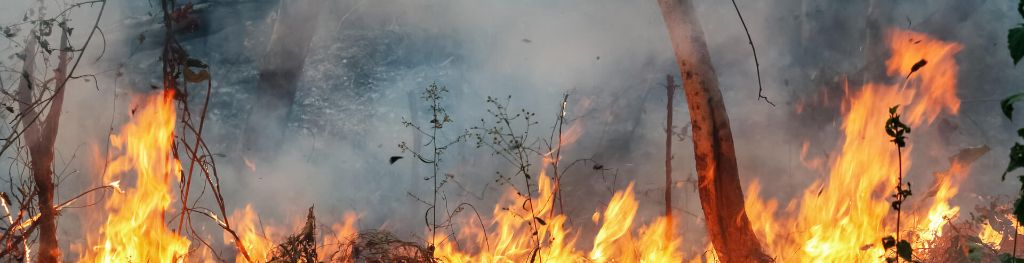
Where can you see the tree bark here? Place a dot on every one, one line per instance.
(721, 195)
(41, 136)
(280, 72)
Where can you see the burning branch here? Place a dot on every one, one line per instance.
(178, 68)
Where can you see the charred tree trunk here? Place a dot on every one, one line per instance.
(721, 195)
(670, 87)
(280, 72)
(41, 135)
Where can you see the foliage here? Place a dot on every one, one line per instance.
(509, 138)
(1007, 258)
(433, 131)
(1016, 153)
(1015, 38)
(898, 130)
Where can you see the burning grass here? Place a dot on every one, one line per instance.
(843, 215)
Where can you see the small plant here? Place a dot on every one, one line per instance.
(513, 143)
(1016, 161)
(1015, 37)
(433, 131)
(1015, 43)
(898, 130)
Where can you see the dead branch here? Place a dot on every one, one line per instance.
(757, 65)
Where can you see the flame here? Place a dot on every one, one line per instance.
(135, 230)
(249, 164)
(840, 218)
(846, 214)
(254, 238)
(511, 238)
(261, 240)
(816, 164)
(990, 236)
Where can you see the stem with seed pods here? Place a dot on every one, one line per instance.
(439, 118)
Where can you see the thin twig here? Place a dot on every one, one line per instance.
(757, 65)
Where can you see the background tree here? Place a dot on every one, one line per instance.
(279, 73)
(36, 93)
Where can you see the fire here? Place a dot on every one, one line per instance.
(135, 230)
(990, 236)
(843, 218)
(259, 240)
(254, 238)
(510, 238)
(840, 218)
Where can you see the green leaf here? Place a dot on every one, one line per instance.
(1015, 41)
(888, 242)
(975, 252)
(1018, 209)
(1007, 104)
(892, 110)
(904, 251)
(1020, 8)
(1016, 159)
(1020, 132)
(1007, 258)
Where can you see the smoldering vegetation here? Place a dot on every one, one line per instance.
(369, 62)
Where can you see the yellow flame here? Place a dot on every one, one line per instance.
(135, 230)
(843, 218)
(990, 236)
(510, 238)
(255, 239)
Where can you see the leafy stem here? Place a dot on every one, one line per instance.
(898, 131)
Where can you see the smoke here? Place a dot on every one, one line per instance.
(370, 60)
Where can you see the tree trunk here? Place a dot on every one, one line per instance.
(41, 135)
(721, 195)
(280, 72)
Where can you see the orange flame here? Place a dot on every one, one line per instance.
(990, 236)
(844, 215)
(848, 213)
(259, 240)
(254, 238)
(512, 239)
(135, 230)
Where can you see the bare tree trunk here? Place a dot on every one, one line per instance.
(670, 87)
(721, 195)
(41, 135)
(280, 72)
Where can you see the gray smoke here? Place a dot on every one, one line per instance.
(369, 61)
